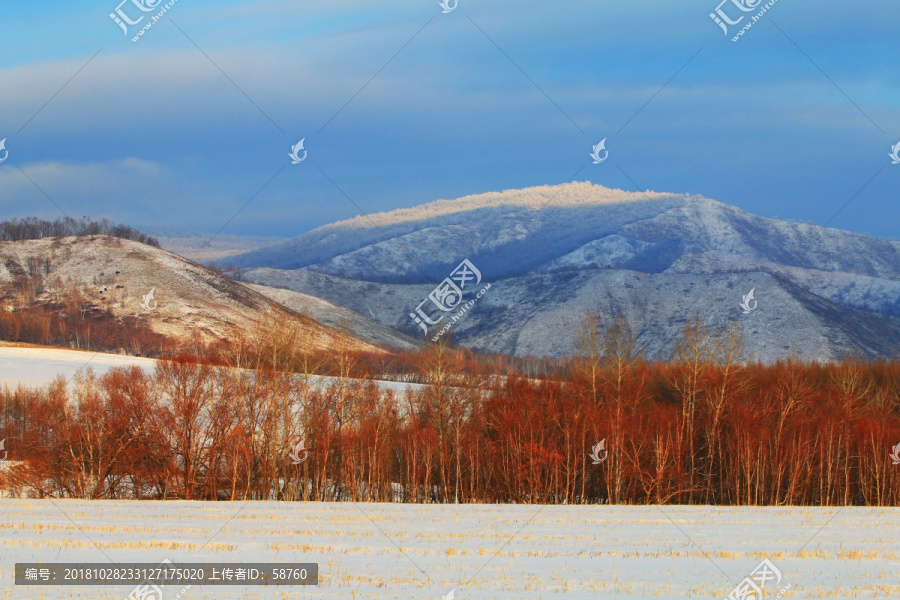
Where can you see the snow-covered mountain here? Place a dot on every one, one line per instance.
(553, 252)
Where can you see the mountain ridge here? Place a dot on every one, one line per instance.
(686, 254)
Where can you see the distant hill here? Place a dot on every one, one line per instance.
(554, 252)
(204, 248)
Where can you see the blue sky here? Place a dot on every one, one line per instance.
(791, 121)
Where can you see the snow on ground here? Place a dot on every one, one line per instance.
(507, 552)
(37, 367)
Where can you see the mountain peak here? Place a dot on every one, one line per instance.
(563, 195)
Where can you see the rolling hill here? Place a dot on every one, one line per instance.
(115, 275)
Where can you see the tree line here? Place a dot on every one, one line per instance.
(705, 428)
(32, 228)
(70, 319)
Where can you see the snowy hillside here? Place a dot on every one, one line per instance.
(495, 230)
(659, 259)
(103, 273)
(331, 314)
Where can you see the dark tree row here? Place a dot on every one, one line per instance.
(32, 228)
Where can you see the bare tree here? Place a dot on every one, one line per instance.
(728, 351)
(621, 355)
(189, 391)
(590, 347)
(693, 354)
(439, 364)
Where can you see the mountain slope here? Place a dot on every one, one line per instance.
(331, 314)
(554, 252)
(106, 273)
(494, 230)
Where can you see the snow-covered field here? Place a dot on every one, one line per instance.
(505, 552)
(37, 367)
(34, 367)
